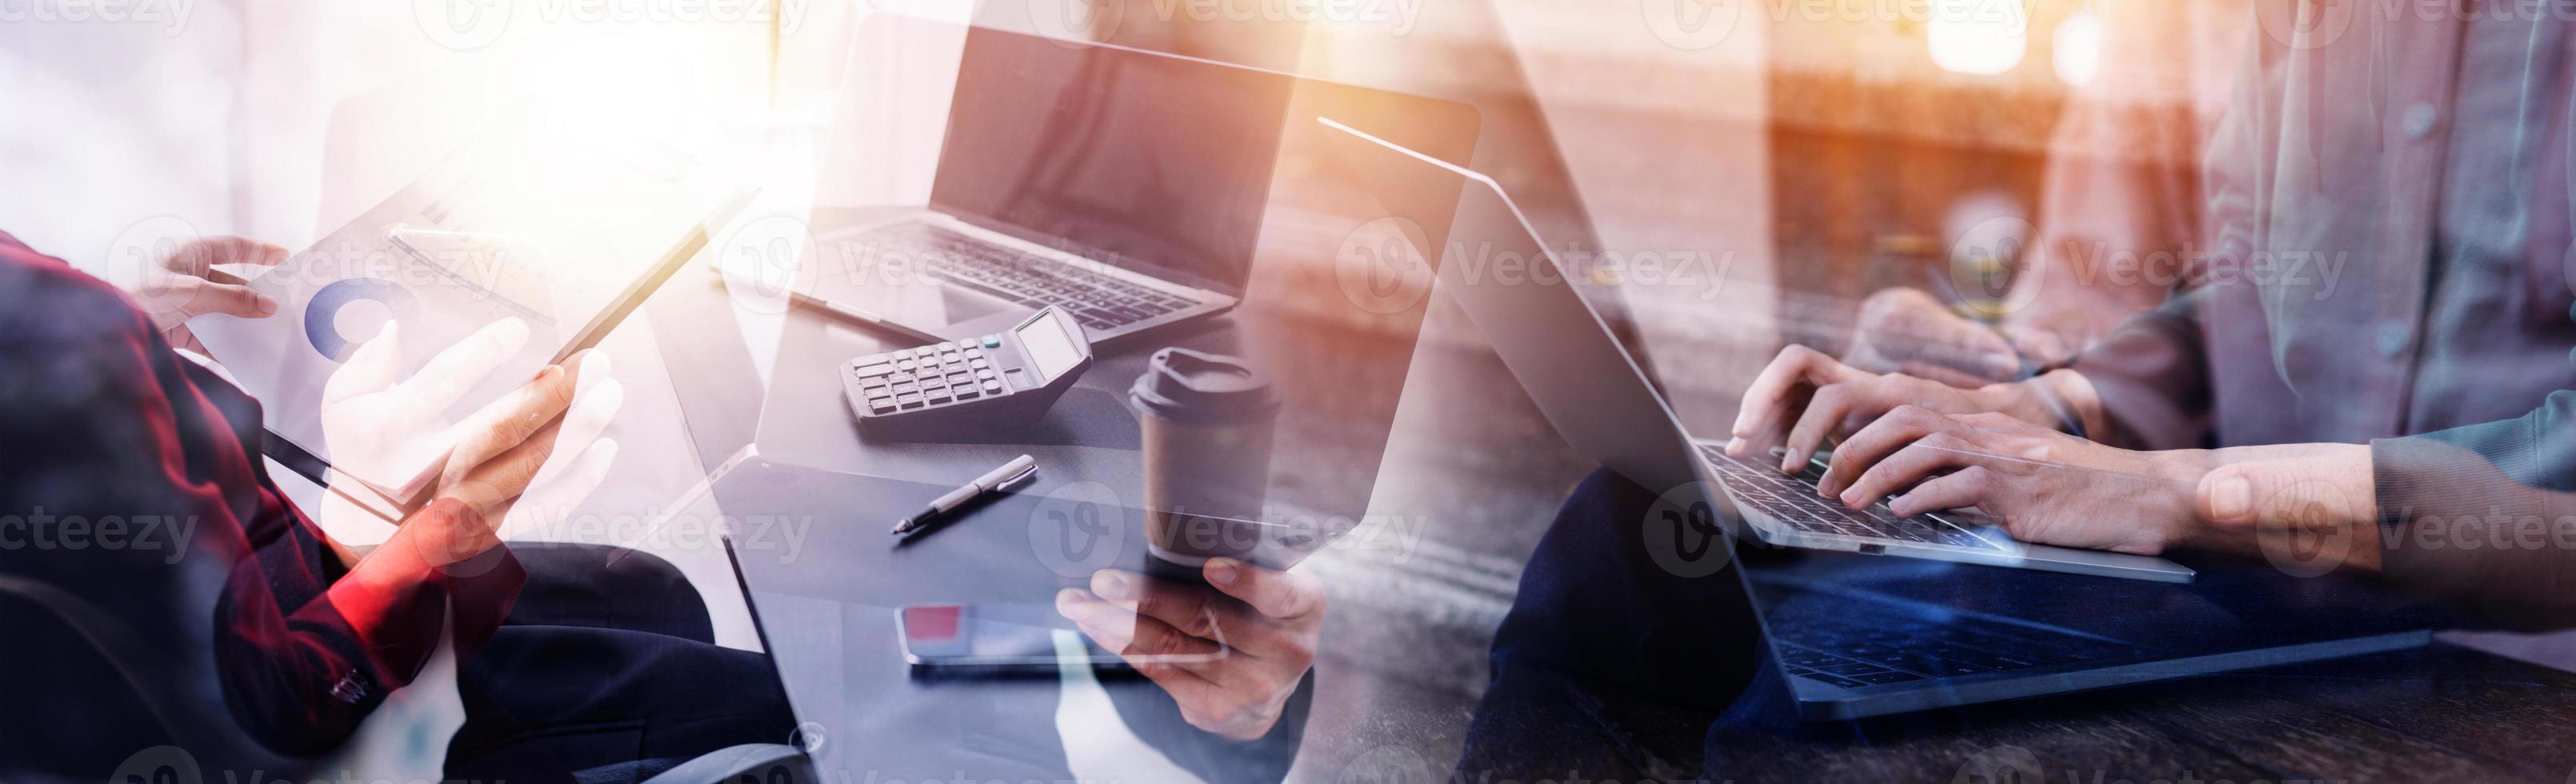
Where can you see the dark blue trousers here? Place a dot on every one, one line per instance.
(607, 670)
(1613, 667)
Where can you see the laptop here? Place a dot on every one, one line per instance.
(1600, 401)
(1124, 186)
(1852, 633)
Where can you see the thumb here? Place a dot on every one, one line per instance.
(370, 369)
(2275, 493)
(1272, 593)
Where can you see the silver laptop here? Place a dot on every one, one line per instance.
(1601, 402)
(1126, 187)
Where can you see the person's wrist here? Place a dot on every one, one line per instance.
(2179, 473)
(444, 533)
(2241, 494)
(2016, 399)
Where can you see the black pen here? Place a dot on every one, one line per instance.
(1010, 473)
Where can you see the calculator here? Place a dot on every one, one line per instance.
(1009, 378)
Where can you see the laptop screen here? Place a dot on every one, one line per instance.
(1118, 155)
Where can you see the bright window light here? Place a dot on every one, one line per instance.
(1982, 37)
(2079, 49)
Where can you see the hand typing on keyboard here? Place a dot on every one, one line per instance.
(1805, 397)
(1794, 502)
(2041, 485)
(1924, 447)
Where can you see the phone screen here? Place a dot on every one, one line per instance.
(1004, 636)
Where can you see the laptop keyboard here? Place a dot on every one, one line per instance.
(1874, 647)
(1793, 502)
(1099, 302)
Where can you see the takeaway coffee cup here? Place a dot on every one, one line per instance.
(1207, 423)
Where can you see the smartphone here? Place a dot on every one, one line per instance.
(1003, 638)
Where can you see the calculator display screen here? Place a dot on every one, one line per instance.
(1048, 346)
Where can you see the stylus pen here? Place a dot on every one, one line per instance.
(1012, 472)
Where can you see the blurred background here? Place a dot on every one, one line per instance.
(1727, 176)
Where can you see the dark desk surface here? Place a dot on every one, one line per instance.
(1397, 679)
(2441, 713)
(828, 611)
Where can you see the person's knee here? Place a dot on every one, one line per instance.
(1603, 497)
(1607, 598)
(623, 587)
(1587, 550)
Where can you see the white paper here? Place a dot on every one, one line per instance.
(544, 230)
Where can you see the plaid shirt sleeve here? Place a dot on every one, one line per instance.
(102, 418)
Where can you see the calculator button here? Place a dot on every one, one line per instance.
(951, 358)
(872, 371)
(906, 364)
(903, 354)
(986, 374)
(979, 364)
(936, 396)
(992, 386)
(975, 353)
(906, 388)
(910, 401)
(992, 341)
(881, 405)
(967, 392)
(899, 378)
